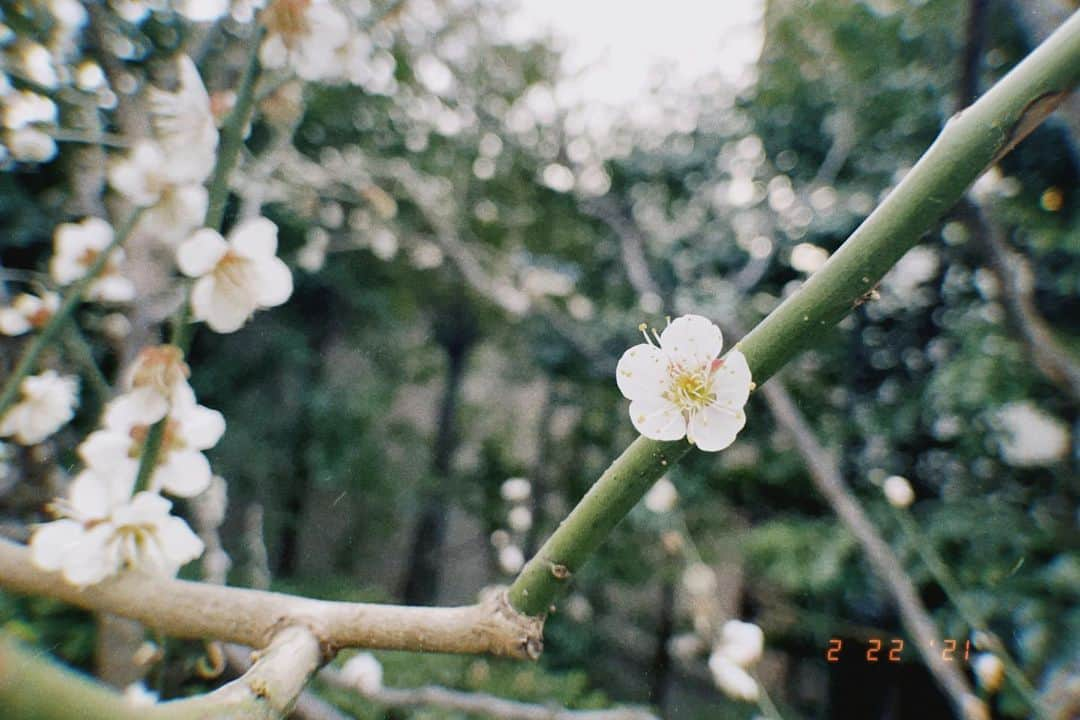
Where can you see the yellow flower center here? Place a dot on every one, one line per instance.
(690, 389)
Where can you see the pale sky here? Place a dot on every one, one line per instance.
(614, 44)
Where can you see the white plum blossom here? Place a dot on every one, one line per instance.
(181, 467)
(898, 491)
(184, 124)
(149, 178)
(699, 580)
(741, 642)
(36, 62)
(159, 372)
(103, 529)
(363, 672)
(515, 490)
(235, 276)
(511, 559)
(661, 497)
(47, 403)
(77, 247)
(307, 35)
(678, 386)
(733, 680)
(741, 645)
(1030, 437)
(989, 671)
(520, 519)
(24, 114)
(28, 312)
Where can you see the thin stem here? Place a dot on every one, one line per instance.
(97, 138)
(232, 140)
(28, 360)
(80, 349)
(765, 704)
(970, 141)
(971, 615)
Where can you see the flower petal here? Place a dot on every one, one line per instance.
(186, 473)
(223, 311)
(90, 561)
(642, 372)
(713, 428)
(657, 419)
(141, 406)
(52, 542)
(178, 542)
(200, 253)
(731, 381)
(201, 426)
(275, 283)
(255, 238)
(691, 341)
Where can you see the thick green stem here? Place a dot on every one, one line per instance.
(71, 300)
(609, 500)
(972, 140)
(33, 687)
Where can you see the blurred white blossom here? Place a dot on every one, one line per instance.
(1029, 436)
(516, 490)
(741, 642)
(678, 386)
(159, 371)
(898, 491)
(148, 178)
(104, 529)
(201, 10)
(364, 672)
(235, 276)
(511, 559)
(47, 402)
(28, 312)
(77, 247)
(184, 124)
(699, 580)
(989, 671)
(733, 680)
(306, 35)
(520, 519)
(662, 496)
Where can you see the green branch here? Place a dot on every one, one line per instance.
(232, 140)
(28, 360)
(970, 142)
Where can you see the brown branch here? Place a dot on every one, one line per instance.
(1014, 275)
(830, 483)
(252, 617)
(477, 703)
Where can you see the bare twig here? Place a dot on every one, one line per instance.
(1014, 275)
(477, 703)
(252, 617)
(829, 482)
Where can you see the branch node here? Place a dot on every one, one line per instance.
(510, 632)
(560, 571)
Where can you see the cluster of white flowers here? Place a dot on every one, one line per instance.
(77, 247)
(740, 646)
(166, 175)
(106, 523)
(678, 385)
(47, 403)
(310, 36)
